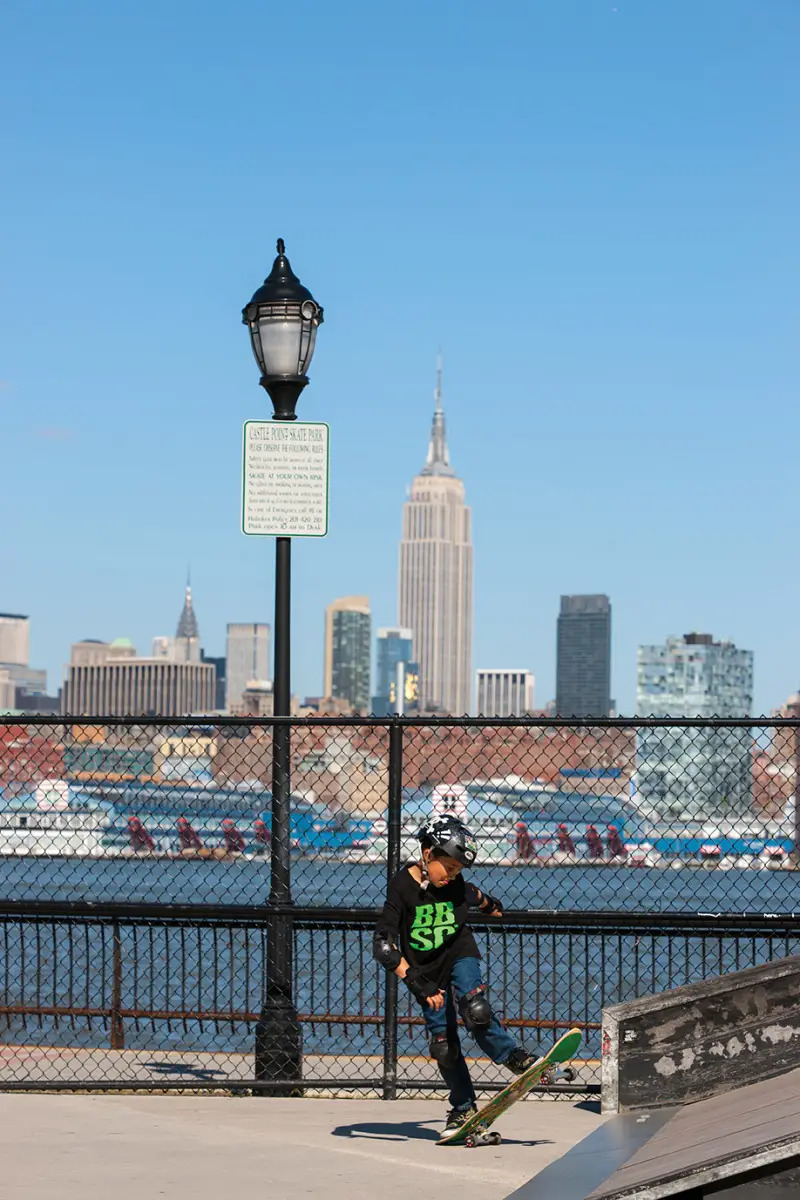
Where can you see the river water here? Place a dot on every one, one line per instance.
(320, 881)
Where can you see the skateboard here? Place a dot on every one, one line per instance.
(476, 1132)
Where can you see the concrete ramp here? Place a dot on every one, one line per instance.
(703, 1039)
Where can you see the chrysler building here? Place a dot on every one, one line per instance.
(435, 585)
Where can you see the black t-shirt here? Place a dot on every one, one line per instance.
(429, 924)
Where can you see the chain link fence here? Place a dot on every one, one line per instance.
(135, 858)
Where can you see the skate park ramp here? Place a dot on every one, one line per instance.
(744, 1145)
(705, 1082)
(702, 1039)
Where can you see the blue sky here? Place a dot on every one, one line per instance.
(590, 205)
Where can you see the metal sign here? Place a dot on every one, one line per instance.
(285, 479)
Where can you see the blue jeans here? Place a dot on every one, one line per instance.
(494, 1040)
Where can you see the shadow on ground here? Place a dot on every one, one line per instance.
(404, 1131)
(171, 1068)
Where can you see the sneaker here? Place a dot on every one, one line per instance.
(457, 1116)
(519, 1060)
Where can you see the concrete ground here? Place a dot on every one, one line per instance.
(105, 1147)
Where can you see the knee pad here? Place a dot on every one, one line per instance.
(444, 1052)
(475, 1009)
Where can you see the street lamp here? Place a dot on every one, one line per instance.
(283, 318)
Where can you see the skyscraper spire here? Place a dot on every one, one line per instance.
(187, 624)
(438, 460)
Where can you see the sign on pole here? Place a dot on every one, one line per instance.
(285, 479)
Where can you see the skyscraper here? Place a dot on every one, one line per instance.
(348, 631)
(246, 660)
(702, 772)
(27, 681)
(435, 579)
(397, 674)
(187, 635)
(14, 639)
(583, 657)
(504, 693)
(219, 664)
(185, 646)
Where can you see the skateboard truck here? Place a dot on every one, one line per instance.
(558, 1075)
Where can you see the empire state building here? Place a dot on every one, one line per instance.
(435, 585)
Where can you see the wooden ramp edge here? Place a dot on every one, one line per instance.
(702, 1039)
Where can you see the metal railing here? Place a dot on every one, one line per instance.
(131, 997)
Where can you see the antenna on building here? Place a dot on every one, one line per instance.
(438, 460)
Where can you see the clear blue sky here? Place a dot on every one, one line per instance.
(591, 205)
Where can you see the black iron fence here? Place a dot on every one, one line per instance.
(135, 867)
(136, 997)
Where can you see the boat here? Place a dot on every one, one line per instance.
(54, 819)
(710, 854)
(774, 858)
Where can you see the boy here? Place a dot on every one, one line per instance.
(422, 935)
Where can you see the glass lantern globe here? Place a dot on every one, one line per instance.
(283, 318)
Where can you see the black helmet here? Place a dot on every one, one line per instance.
(451, 836)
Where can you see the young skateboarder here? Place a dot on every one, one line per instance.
(423, 936)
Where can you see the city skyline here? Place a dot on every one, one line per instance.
(582, 646)
(185, 648)
(637, 219)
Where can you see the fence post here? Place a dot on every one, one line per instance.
(392, 867)
(117, 1032)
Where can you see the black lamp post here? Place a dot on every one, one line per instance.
(283, 318)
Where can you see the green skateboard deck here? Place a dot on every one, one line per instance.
(475, 1131)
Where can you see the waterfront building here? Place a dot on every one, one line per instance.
(108, 679)
(346, 672)
(436, 576)
(504, 693)
(246, 659)
(703, 772)
(583, 657)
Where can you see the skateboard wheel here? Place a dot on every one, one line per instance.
(570, 1074)
(494, 1139)
(469, 1141)
(546, 1078)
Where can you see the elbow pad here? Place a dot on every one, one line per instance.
(384, 952)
